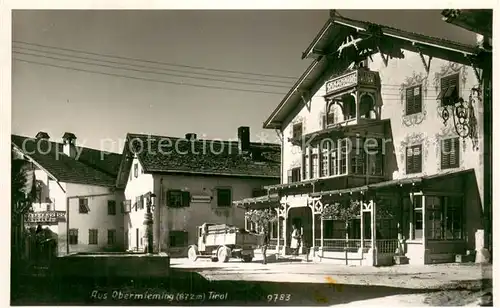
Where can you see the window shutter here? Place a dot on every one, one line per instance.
(186, 198)
(409, 160)
(444, 153)
(289, 176)
(409, 101)
(454, 152)
(417, 99)
(417, 159)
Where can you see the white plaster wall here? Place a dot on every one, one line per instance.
(135, 188)
(96, 218)
(189, 218)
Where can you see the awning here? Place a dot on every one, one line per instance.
(262, 202)
(397, 182)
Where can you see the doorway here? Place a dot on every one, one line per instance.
(302, 218)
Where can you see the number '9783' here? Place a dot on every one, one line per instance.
(278, 297)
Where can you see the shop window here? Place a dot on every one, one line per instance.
(435, 214)
(418, 219)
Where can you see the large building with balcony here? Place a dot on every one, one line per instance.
(383, 152)
(75, 194)
(194, 181)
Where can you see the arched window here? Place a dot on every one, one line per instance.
(367, 107)
(349, 104)
(334, 114)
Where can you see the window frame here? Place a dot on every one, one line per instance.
(112, 236)
(412, 106)
(112, 205)
(83, 206)
(219, 190)
(73, 236)
(297, 130)
(420, 210)
(410, 164)
(454, 144)
(294, 175)
(449, 89)
(184, 198)
(93, 235)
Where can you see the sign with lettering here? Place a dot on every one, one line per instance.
(342, 82)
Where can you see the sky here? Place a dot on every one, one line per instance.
(88, 96)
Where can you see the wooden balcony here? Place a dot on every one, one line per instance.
(46, 217)
(360, 77)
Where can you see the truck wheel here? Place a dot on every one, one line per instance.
(247, 259)
(223, 254)
(193, 253)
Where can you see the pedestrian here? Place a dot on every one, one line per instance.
(264, 243)
(295, 241)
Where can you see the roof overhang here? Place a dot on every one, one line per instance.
(479, 20)
(343, 41)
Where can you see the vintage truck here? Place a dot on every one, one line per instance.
(220, 242)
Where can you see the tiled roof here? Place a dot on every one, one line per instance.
(93, 167)
(210, 157)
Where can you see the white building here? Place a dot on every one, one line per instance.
(195, 181)
(76, 194)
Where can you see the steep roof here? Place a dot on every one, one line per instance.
(92, 167)
(331, 56)
(163, 154)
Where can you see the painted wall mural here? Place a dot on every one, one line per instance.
(411, 140)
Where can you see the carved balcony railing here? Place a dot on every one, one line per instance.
(46, 217)
(357, 78)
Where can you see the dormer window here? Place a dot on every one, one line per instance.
(297, 130)
(449, 90)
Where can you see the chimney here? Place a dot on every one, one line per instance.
(244, 138)
(42, 140)
(69, 144)
(191, 136)
(42, 135)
